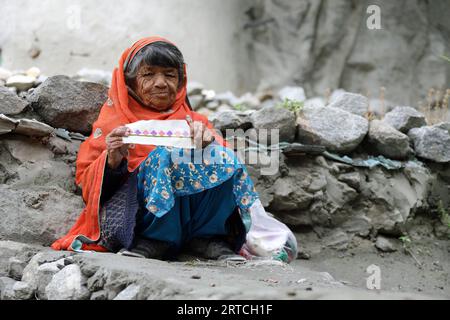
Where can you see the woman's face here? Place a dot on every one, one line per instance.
(156, 86)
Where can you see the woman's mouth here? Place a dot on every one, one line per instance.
(160, 94)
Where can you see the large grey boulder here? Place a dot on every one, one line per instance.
(405, 118)
(336, 129)
(232, 120)
(388, 141)
(65, 103)
(432, 142)
(68, 284)
(275, 118)
(351, 102)
(10, 103)
(37, 215)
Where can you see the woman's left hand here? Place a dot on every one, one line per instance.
(201, 135)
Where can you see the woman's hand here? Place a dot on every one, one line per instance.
(117, 150)
(201, 135)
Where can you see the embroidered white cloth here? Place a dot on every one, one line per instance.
(170, 133)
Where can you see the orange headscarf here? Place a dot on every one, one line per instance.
(118, 110)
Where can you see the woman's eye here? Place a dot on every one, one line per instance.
(170, 75)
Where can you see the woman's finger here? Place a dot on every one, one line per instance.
(116, 145)
(198, 134)
(110, 140)
(191, 125)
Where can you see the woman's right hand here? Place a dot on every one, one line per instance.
(116, 149)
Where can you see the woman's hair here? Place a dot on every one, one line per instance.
(160, 54)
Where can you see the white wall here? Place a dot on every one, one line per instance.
(208, 32)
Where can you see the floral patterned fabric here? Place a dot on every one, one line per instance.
(170, 172)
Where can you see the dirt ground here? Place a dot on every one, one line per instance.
(426, 271)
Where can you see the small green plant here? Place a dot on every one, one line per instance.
(406, 241)
(240, 107)
(292, 105)
(445, 58)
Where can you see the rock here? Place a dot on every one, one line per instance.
(275, 118)
(385, 244)
(353, 179)
(315, 102)
(25, 150)
(432, 142)
(68, 284)
(16, 267)
(61, 146)
(12, 253)
(21, 82)
(33, 72)
(228, 98)
(69, 104)
(292, 93)
(7, 124)
(40, 270)
(94, 75)
(232, 120)
(14, 290)
(224, 107)
(6, 288)
(337, 239)
(10, 103)
(212, 105)
(33, 128)
(388, 141)
(5, 74)
(359, 225)
(100, 295)
(22, 291)
(289, 195)
(37, 214)
(351, 102)
(194, 88)
(405, 118)
(389, 198)
(197, 102)
(129, 293)
(206, 112)
(248, 101)
(336, 129)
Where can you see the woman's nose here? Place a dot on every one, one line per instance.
(160, 81)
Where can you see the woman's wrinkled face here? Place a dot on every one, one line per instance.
(157, 86)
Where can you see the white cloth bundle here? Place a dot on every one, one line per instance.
(170, 133)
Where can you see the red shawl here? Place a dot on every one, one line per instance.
(118, 110)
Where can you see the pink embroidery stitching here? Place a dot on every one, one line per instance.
(161, 133)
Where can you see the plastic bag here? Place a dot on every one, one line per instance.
(268, 238)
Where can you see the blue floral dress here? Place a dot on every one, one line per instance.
(176, 184)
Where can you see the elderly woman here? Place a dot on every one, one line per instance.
(138, 201)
